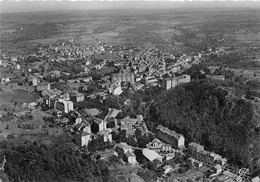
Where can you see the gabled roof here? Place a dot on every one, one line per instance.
(124, 145)
(130, 154)
(97, 120)
(169, 132)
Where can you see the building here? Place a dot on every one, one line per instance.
(115, 88)
(194, 148)
(82, 138)
(156, 144)
(197, 163)
(151, 155)
(5, 80)
(123, 77)
(77, 97)
(140, 119)
(107, 136)
(198, 152)
(170, 137)
(65, 96)
(83, 127)
(43, 86)
(167, 148)
(175, 81)
(131, 158)
(63, 105)
(98, 125)
(167, 169)
(125, 147)
(216, 77)
(256, 179)
(34, 81)
(87, 79)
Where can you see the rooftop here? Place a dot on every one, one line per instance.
(169, 132)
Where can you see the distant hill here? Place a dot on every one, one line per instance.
(206, 113)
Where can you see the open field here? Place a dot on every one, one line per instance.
(166, 29)
(11, 98)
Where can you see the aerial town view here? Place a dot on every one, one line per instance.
(130, 91)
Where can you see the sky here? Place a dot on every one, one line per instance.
(35, 6)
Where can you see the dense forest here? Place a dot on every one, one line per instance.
(54, 160)
(206, 112)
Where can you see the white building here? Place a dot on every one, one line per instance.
(151, 155)
(175, 81)
(131, 158)
(34, 81)
(256, 179)
(64, 105)
(156, 144)
(125, 147)
(82, 138)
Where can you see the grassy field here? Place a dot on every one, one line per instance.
(11, 98)
(136, 27)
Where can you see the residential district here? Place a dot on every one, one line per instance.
(120, 68)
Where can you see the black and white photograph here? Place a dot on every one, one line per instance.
(130, 91)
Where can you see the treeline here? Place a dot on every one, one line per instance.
(232, 60)
(204, 112)
(53, 161)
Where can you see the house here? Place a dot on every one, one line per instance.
(107, 136)
(167, 148)
(197, 163)
(198, 152)
(170, 137)
(151, 155)
(63, 105)
(217, 169)
(125, 147)
(131, 158)
(32, 104)
(5, 80)
(152, 81)
(156, 144)
(83, 88)
(175, 81)
(77, 97)
(87, 79)
(140, 119)
(65, 96)
(117, 91)
(107, 154)
(82, 138)
(256, 179)
(169, 156)
(83, 126)
(216, 77)
(34, 81)
(167, 169)
(63, 120)
(55, 73)
(43, 86)
(123, 77)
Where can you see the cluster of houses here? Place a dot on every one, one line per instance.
(137, 69)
